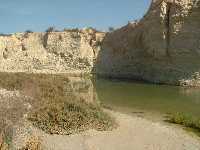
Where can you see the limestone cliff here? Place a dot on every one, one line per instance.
(70, 51)
(164, 47)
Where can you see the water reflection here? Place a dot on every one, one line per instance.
(82, 88)
(191, 94)
(147, 97)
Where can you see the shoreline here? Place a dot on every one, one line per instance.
(132, 133)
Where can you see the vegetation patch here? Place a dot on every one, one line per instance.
(56, 108)
(33, 143)
(186, 120)
(70, 117)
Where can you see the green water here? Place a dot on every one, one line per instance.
(135, 96)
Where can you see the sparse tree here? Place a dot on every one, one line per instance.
(28, 31)
(51, 29)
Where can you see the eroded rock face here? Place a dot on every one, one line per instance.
(164, 47)
(71, 51)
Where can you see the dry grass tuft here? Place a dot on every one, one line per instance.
(34, 143)
(68, 117)
(185, 120)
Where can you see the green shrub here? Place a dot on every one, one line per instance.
(28, 31)
(111, 29)
(50, 29)
(185, 120)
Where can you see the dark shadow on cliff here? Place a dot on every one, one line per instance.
(110, 62)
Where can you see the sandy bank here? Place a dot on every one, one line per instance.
(133, 133)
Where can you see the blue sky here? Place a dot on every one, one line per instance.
(38, 15)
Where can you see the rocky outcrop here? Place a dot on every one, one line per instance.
(164, 47)
(70, 51)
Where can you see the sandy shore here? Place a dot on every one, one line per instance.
(133, 133)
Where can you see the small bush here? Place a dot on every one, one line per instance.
(28, 31)
(5, 53)
(33, 143)
(46, 35)
(23, 47)
(111, 29)
(60, 38)
(51, 29)
(71, 117)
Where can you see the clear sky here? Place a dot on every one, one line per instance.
(38, 15)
